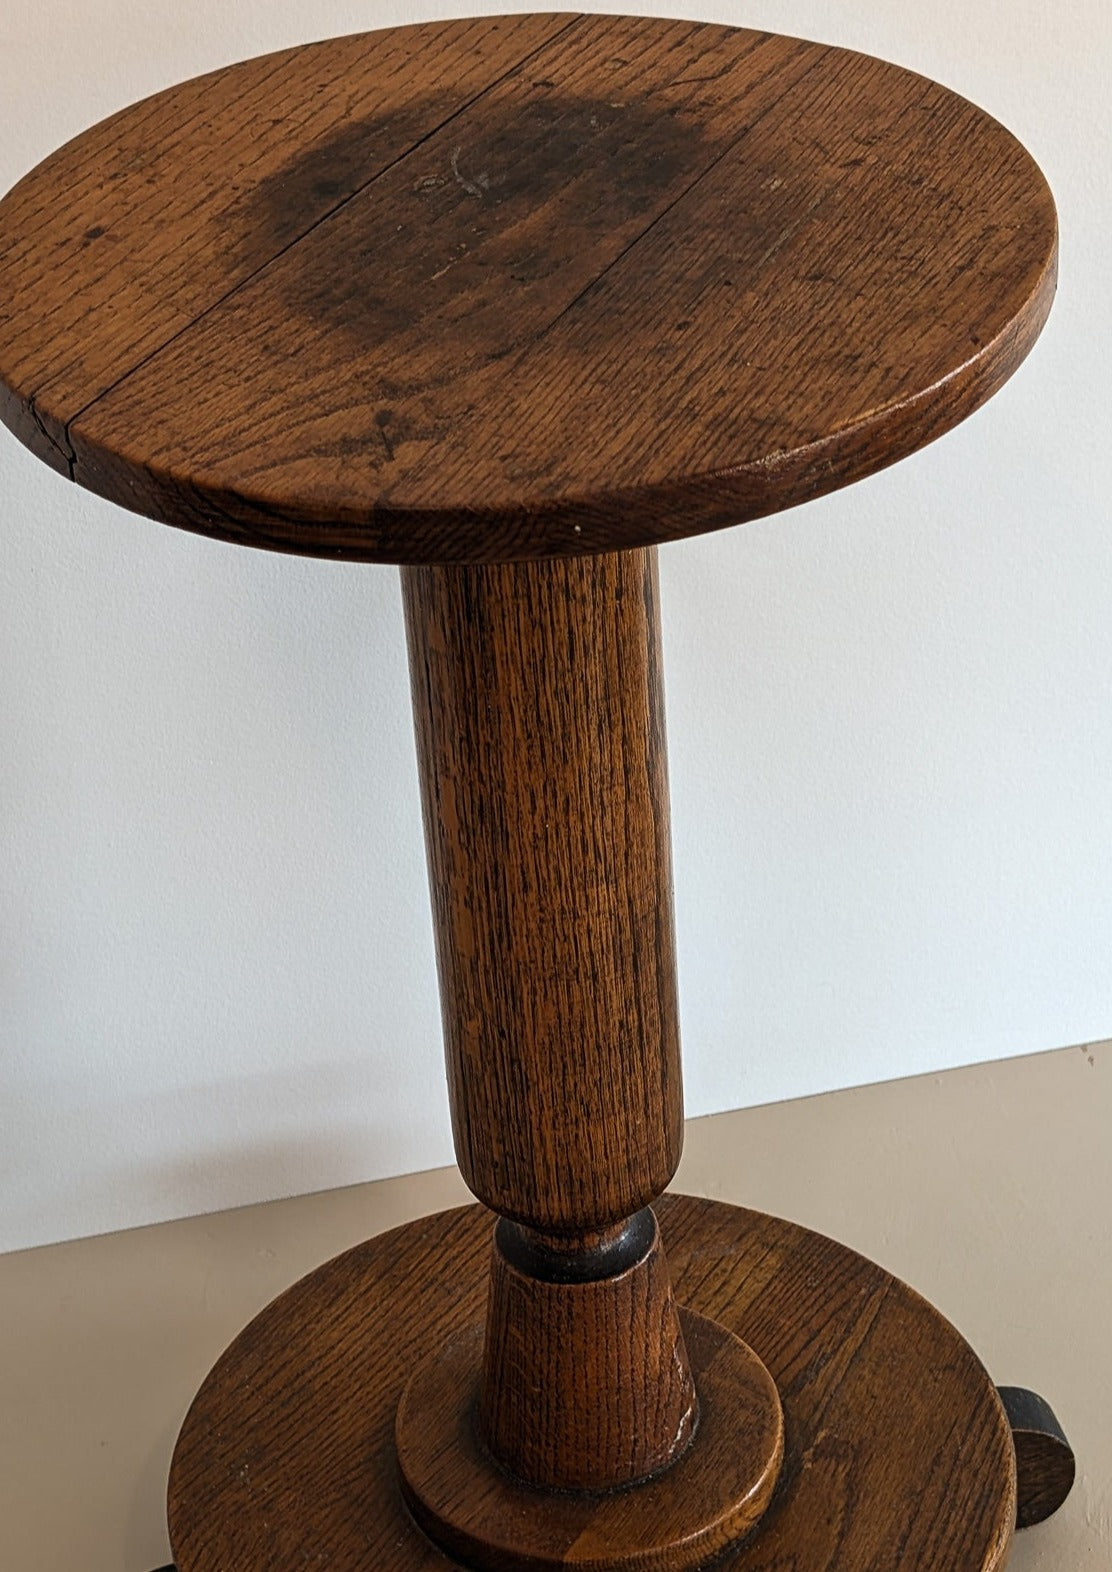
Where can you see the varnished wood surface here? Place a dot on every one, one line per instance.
(585, 1385)
(531, 286)
(539, 715)
(710, 1497)
(539, 712)
(1045, 1465)
(133, 231)
(898, 1452)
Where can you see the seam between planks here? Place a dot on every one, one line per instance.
(67, 450)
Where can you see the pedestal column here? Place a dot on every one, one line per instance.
(540, 726)
(540, 729)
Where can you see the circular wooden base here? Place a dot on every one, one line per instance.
(709, 1498)
(897, 1449)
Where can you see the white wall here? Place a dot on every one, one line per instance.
(890, 716)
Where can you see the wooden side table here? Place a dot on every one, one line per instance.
(510, 302)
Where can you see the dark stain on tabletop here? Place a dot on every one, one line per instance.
(474, 241)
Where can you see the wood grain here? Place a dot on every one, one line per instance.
(675, 1521)
(527, 287)
(898, 1452)
(585, 1383)
(538, 704)
(129, 234)
(540, 738)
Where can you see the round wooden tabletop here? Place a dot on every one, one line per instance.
(518, 287)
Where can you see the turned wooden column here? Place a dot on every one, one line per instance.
(540, 727)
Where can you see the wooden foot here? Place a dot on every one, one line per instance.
(1045, 1464)
(287, 1458)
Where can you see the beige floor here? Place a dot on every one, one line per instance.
(990, 1189)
